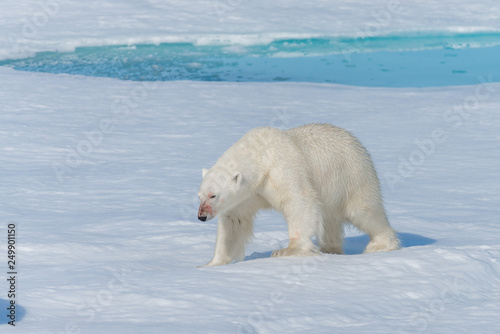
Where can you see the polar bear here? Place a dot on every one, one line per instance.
(318, 176)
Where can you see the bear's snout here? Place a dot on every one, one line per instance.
(205, 212)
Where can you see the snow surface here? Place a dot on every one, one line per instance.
(128, 210)
(101, 175)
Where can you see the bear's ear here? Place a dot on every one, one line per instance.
(204, 172)
(237, 178)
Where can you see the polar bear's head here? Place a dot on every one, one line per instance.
(219, 192)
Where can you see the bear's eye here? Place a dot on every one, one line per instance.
(212, 196)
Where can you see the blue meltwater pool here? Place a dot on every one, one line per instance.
(412, 60)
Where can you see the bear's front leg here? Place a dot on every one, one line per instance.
(233, 232)
(302, 227)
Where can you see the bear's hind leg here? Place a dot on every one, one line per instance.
(373, 221)
(233, 232)
(332, 237)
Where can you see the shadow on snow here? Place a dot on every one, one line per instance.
(356, 245)
(4, 305)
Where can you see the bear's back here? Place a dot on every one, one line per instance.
(336, 158)
(319, 139)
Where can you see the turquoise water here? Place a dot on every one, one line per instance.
(385, 61)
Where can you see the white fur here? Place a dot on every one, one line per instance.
(319, 176)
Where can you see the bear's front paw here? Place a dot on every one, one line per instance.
(294, 251)
(216, 262)
(280, 252)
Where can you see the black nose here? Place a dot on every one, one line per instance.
(202, 218)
